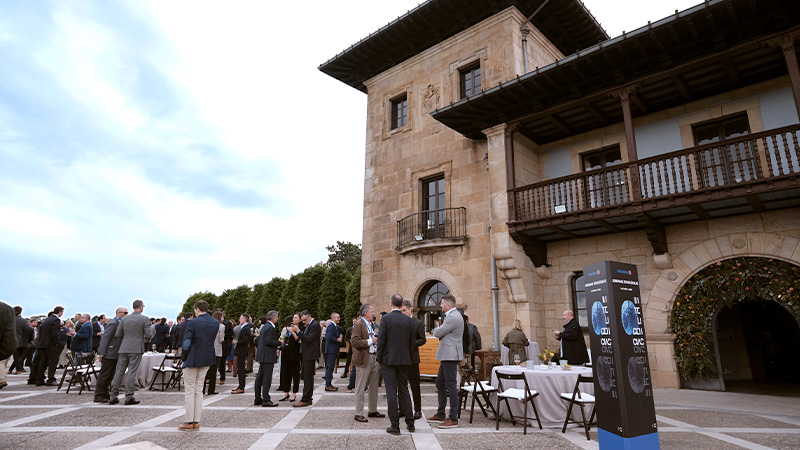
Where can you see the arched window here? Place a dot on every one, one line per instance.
(430, 302)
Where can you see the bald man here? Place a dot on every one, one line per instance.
(573, 346)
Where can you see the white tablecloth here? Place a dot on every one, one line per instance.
(145, 373)
(549, 384)
(532, 350)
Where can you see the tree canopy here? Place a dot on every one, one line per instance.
(345, 253)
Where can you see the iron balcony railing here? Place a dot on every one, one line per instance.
(745, 160)
(432, 224)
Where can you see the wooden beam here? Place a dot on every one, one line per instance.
(755, 203)
(681, 86)
(699, 212)
(786, 44)
(655, 233)
(534, 248)
(607, 226)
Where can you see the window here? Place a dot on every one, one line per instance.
(399, 112)
(430, 302)
(433, 201)
(726, 163)
(607, 187)
(579, 300)
(470, 80)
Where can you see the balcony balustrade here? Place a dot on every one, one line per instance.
(441, 227)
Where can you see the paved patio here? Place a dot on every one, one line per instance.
(33, 417)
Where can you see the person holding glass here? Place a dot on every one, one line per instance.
(290, 360)
(516, 341)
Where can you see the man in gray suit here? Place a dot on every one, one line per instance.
(132, 329)
(450, 352)
(108, 353)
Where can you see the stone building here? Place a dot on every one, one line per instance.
(673, 147)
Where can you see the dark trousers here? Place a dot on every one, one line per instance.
(447, 386)
(48, 360)
(352, 384)
(330, 364)
(221, 365)
(309, 366)
(290, 376)
(264, 381)
(108, 368)
(161, 347)
(211, 378)
(349, 361)
(395, 379)
(240, 364)
(19, 359)
(413, 380)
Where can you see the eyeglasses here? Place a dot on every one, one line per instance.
(125, 313)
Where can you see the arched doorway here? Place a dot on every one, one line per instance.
(430, 302)
(758, 341)
(736, 320)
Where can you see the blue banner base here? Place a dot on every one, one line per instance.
(610, 441)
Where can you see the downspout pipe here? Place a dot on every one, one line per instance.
(525, 30)
(495, 289)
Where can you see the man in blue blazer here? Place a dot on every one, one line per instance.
(82, 340)
(395, 341)
(332, 339)
(267, 356)
(198, 340)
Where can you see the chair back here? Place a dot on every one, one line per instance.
(576, 393)
(511, 377)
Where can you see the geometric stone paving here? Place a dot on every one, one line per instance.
(33, 417)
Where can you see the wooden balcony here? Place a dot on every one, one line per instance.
(753, 173)
(435, 228)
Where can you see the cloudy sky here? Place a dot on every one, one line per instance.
(154, 149)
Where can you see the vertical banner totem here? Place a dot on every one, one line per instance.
(626, 415)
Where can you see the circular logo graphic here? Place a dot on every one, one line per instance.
(598, 317)
(629, 321)
(635, 375)
(603, 374)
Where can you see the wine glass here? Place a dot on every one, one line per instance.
(516, 359)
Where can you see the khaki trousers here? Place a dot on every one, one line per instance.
(193, 378)
(367, 375)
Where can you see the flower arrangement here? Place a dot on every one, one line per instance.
(723, 284)
(546, 356)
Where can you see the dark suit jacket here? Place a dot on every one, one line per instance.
(161, 333)
(95, 338)
(331, 338)
(8, 331)
(48, 332)
(109, 343)
(243, 343)
(309, 339)
(21, 326)
(82, 340)
(268, 344)
(573, 344)
(419, 339)
(396, 339)
(198, 340)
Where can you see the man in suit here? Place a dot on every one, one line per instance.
(198, 341)
(309, 347)
(573, 346)
(450, 352)
(132, 329)
(82, 340)
(107, 354)
(227, 343)
(48, 350)
(413, 370)
(267, 356)
(364, 342)
(97, 333)
(332, 340)
(242, 350)
(8, 339)
(394, 355)
(23, 337)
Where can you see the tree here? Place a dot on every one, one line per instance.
(352, 297)
(346, 253)
(309, 285)
(254, 301)
(287, 305)
(235, 301)
(188, 306)
(332, 291)
(271, 296)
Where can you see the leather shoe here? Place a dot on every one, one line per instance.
(361, 419)
(411, 427)
(52, 383)
(285, 397)
(213, 393)
(131, 401)
(376, 414)
(418, 415)
(237, 391)
(101, 399)
(269, 404)
(301, 404)
(257, 402)
(113, 401)
(186, 426)
(394, 431)
(331, 388)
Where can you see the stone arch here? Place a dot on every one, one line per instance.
(694, 259)
(414, 288)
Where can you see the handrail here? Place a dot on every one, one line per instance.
(432, 224)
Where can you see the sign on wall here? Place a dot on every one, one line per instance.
(626, 416)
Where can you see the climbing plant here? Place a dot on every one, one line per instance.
(723, 284)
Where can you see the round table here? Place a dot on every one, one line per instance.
(549, 384)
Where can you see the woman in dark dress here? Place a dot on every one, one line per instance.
(290, 360)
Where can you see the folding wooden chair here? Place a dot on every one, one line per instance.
(582, 400)
(80, 370)
(470, 386)
(171, 365)
(522, 395)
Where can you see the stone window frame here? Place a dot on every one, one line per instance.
(478, 56)
(417, 178)
(574, 299)
(388, 99)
